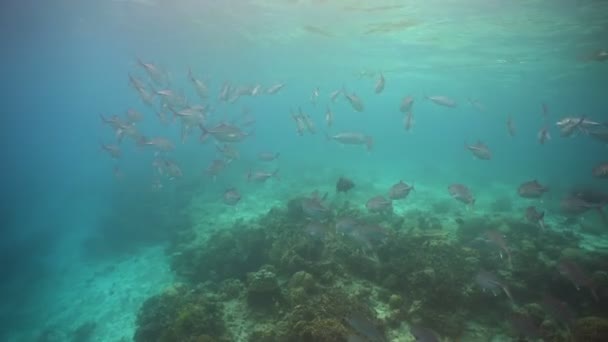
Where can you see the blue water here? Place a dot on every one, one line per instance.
(64, 64)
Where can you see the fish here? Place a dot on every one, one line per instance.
(461, 193)
(399, 191)
(314, 96)
(380, 84)
(224, 133)
(567, 130)
(577, 276)
(364, 327)
(543, 135)
(300, 123)
(525, 325)
(558, 309)
(316, 230)
(352, 138)
(262, 176)
(134, 116)
(601, 170)
(268, 156)
(355, 102)
(511, 126)
(225, 91)
(202, 90)
(584, 122)
(545, 110)
(229, 152)
(489, 282)
(159, 143)
(476, 104)
(497, 238)
(408, 121)
(314, 208)
(154, 72)
(424, 334)
(113, 150)
(346, 225)
(406, 104)
(479, 150)
(310, 125)
(531, 189)
(379, 204)
(329, 117)
(344, 184)
(536, 217)
(172, 169)
(442, 101)
(599, 133)
(232, 196)
(273, 89)
(216, 167)
(333, 96)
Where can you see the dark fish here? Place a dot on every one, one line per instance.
(232, 196)
(531, 189)
(216, 167)
(577, 276)
(400, 191)
(316, 230)
(535, 216)
(567, 130)
(601, 170)
(355, 102)
(346, 225)
(364, 327)
(600, 133)
(379, 204)
(525, 325)
(557, 309)
(489, 282)
(423, 334)
(461, 193)
(406, 104)
(408, 121)
(543, 135)
(344, 184)
(497, 238)
(479, 150)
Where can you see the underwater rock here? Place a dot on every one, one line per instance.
(395, 301)
(263, 290)
(303, 280)
(231, 288)
(590, 329)
(264, 280)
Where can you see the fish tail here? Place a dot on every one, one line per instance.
(276, 175)
(204, 134)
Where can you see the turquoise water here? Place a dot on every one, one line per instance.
(88, 238)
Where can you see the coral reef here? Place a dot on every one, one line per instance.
(590, 329)
(181, 314)
(363, 281)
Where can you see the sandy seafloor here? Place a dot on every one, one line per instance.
(111, 292)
